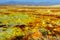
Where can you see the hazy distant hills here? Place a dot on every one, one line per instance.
(30, 3)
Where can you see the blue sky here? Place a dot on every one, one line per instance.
(35, 1)
(32, 0)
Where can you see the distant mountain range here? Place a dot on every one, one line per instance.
(30, 3)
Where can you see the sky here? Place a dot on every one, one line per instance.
(35, 1)
(32, 0)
